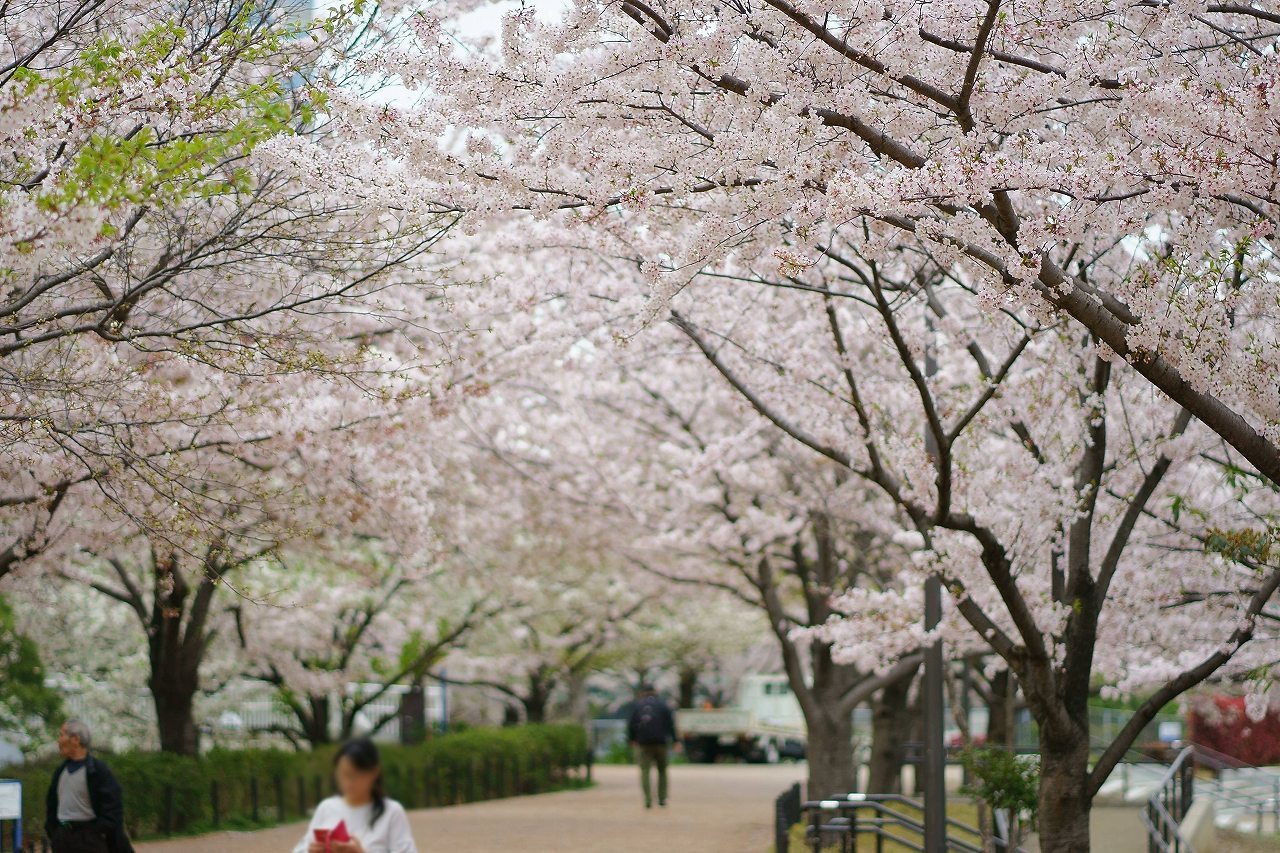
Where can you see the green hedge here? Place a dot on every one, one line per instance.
(173, 794)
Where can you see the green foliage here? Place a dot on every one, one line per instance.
(619, 753)
(471, 765)
(147, 163)
(27, 707)
(1243, 545)
(1003, 780)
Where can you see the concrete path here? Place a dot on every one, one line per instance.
(719, 808)
(1112, 829)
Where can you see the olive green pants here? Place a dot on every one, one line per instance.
(651, 755)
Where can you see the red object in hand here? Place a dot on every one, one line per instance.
(328, 836)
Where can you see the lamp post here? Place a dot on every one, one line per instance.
(935, 758)
(934, 764)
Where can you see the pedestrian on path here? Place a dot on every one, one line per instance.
(373, 822)
(84, 809)
(651, 729)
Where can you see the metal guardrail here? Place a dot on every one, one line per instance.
(1239, 790)
(839, 822)
(1166, 808)
(786, 814)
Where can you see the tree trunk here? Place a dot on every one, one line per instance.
(1064, 798)
(175, 716)
(830, 750)
(579, 705)
(1000, 719)
(535, 709)
(535, 701)
(890, 729)
(688, 684)
(915, 723)
(174, 655)
(315, 725)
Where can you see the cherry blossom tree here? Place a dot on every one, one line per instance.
(701, 500)
(1065, 576)
(376, 624)
(1046, 151)
(567, 608)
(980, 257)
(165, 249)
(691, 633)
(303, 491)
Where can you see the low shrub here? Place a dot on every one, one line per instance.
(242, 789)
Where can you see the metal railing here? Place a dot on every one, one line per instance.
(886, 818)
(1239, 790)
(786, 814)
(1168, 805)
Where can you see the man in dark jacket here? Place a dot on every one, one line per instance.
(651, 729)
(84, 809)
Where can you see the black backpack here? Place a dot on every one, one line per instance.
(650, 725)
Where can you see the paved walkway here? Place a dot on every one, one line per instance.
(719, 808)
(1112, 829)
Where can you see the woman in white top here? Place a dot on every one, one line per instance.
(375, 823)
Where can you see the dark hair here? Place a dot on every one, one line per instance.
(363, 754)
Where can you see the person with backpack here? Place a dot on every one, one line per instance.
(651, 729)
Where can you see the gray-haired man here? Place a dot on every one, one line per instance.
(84, 809)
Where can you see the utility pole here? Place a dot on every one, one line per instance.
(934, 764)
(935, 756)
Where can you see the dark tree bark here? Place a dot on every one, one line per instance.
(175, 613)
(688, 686)
(830, 752)
(1065, 797)
(891, 723)
(915, 722)
(179, 638)
(1000, 696)
(537, 695)
(315, 720)
(175, 715)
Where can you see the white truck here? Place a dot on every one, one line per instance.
(765, 725)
